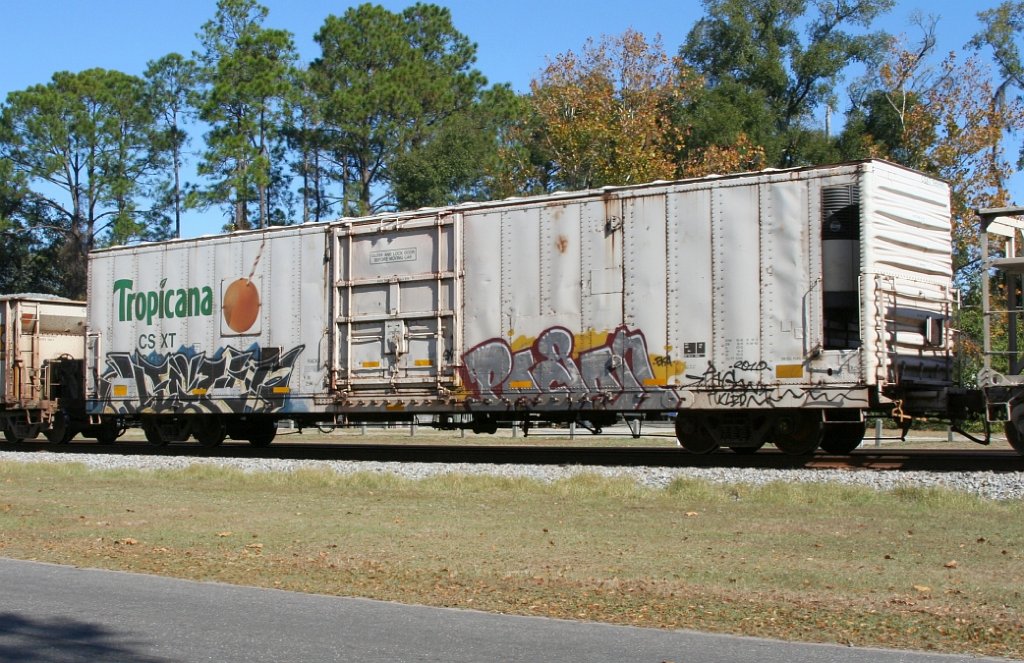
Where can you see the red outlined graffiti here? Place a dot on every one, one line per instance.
(620, 369)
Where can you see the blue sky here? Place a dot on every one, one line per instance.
(513, 39)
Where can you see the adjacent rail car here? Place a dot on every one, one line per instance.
(42, 351)
(778, 306)
(1001, 378)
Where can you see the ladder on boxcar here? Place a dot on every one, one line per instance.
(913, 344)
(28, 384)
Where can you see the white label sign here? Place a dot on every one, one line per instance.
(392, 255)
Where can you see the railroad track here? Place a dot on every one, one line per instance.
(932, 460)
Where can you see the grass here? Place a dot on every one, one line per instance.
(918, 569)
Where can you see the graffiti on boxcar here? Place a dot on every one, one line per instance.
(739, 385)
(229, 380)
(620, 368)
(743, 385)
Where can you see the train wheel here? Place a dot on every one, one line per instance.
(107, 432)
(747, 450)
(151, 430)
(484, 424)
(1015, 437)
(60, 430)
(209, 431)
(8, 432)
(843, 437)
(1015, 428)
(798, 434)
(693, 436)
(15, 434)
(262, 435)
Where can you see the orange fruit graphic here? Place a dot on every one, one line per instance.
(241, 305)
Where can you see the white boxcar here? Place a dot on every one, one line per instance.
(42, 345)
(774, 306)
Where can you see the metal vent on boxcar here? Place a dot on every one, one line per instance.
(841, 212)
(840, 238)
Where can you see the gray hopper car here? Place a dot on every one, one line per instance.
(779, 306)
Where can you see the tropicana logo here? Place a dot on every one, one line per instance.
(162, 303)
(241, 305)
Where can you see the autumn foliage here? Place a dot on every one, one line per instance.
(951, 124)
(607, 115)
(606, 111)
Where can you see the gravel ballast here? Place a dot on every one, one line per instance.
(988, 485)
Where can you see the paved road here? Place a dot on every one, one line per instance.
(51, 614)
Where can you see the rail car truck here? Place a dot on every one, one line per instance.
(42, 350)
(779, 306)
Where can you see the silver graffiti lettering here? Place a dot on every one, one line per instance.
(620, 368)
(488, 366)
(556, 371)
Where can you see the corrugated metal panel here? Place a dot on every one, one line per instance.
(909, 227)
(645, 268)
(908, 292)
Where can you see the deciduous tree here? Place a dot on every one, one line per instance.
(456, 162)
(606, 114)
(765, 82)
(942, 119)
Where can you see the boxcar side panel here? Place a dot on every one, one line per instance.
(210, 325)
(601, 223)
(786, 280)
(561, 265)
(520, 273)
(482, 285)
(645, 283)
(690, 283)
(736, 272)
